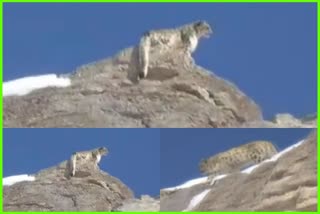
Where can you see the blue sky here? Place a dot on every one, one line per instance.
(268, 50)
(134, 155)
(183, 149)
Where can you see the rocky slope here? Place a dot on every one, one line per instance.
(54, 190)
(285, 120)
(287, 184)
(144, 204)
(176, 93)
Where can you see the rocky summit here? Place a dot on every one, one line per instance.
(176, 93)
(91, 189)
(107, 93)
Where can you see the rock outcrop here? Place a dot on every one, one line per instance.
(285, 120)
(287, 184)
(176, 93)
(144, 204)
(106, 93)
(54, 190)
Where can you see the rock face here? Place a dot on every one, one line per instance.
(288, 184)
(54, 190)
(176, 93)
(146, 203)
(285, 120)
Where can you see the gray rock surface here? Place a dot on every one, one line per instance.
(288, 184)
(176, 93)
(282, 122)
(145, 203)
(54, 190)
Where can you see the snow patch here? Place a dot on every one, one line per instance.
(25, 85)
(218, 177)
(188, 184)
(196, 200)
(8, 181)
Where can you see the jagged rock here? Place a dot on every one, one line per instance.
(54, 190)
(176, 93)
(178, 200)
(146, 203)
(288, 184)
(309, 119)
(284, 120)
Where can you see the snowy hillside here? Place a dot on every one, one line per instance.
(199, 197)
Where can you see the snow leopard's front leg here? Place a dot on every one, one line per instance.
(190, 41)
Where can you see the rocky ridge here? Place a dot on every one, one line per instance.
(144, 204)
(106, 93)
(53, 189)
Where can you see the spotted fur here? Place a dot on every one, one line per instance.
(237, 158)
(184, 38)
(93, 156)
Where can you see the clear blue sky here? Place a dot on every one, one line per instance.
(267, 49)
(134, 155)
(183, 149)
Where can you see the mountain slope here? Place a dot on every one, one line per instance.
(285, 183)
(176, 93)
(54, 190)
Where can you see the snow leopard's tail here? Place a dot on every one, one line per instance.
(144, 48)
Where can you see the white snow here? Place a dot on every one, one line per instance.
(188, 184)
(25, 85)
(193, 182)
(8, 181)
(197, 199)
(218, 177)
(251, 168)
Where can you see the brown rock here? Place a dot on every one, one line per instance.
(54, 190)
(176, 93)
(145, 203)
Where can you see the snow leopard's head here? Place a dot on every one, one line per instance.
(202, 29)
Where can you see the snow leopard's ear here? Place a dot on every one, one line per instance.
(199, 23)
(147, 33)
